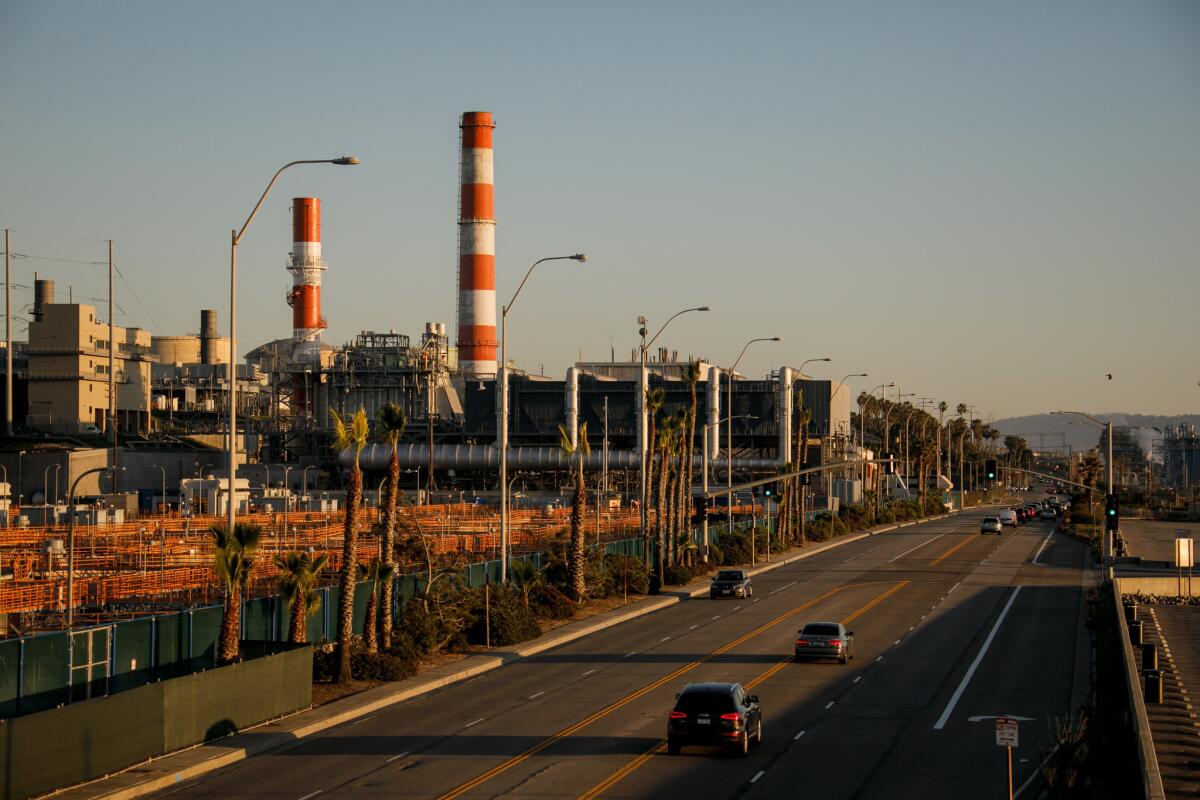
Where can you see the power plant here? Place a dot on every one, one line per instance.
(477, 248)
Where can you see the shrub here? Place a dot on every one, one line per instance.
(325, 664)
(416, 630)
(735, 549)
(715, 554)
(549, 602)
(366, 666)
(854, 516)
(504, 611)
(826, 526)
(676, 574)
(628, 574)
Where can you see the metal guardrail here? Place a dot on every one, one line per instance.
(1152, 783)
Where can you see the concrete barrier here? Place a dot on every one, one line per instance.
(1162, 585)
(1152, 784)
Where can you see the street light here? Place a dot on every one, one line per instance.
(231, 371)
(304, 478)
(704, 479)
(643, 387)
(729, 435)
(503, 421)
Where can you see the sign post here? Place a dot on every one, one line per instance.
(1007, 737)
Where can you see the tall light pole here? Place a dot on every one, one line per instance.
(502, 388)
(841, 383)
(729, 436)
(231, 370)
(1107, 427)
(640, 407)
(704, 481)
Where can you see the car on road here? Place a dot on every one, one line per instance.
(1008, 517)
(720, 714)
(991, 525)
(824, 640)
(731, 583)
(1022, 515)
(1049, 513)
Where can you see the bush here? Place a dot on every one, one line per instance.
(676, 574)
(366, 666)
(628, 574)
(826, 526)
(324, 663)
(854, 516)
(716, 555)
(416, 632)
(549, 602)
(735, 549)
(505, 612)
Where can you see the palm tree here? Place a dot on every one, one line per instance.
(665, 437)
(576, 554)
(349, 434)
(233, 561)
(805, 417)
(675, 520)
(526, 576)
(654, 401)
(298, 573)
(377, 573)
(390, 423)
(691, 376)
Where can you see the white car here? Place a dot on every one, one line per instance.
(991, 525)
(1008, 517)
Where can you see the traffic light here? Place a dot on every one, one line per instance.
(990, 469)
(1112, 513)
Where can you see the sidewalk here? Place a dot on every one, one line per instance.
(185, 765)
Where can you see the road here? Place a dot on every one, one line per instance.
(949, 625)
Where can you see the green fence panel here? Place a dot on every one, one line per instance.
(171, 645)
(362, 593)
(10, 671)
(204, 635)
(257, 619)
(133, 654)
(45, 679)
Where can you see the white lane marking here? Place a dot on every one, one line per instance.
(962, 687)
(665, 638)
(878, 659)
(918, 547)
(589, 672)
(718, 616)
(829, 705)
(693, 627)
(535, 696)
(476, 722)
(1038, 555)
(311, 794)
(912, 627)
(634, 653)
(895, 643)
(859, 678)
(401, 755)
(951, 589)
(761, 772)
(797, 736)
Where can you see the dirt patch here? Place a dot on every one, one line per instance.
(323, 693)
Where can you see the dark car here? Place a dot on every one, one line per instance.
(731, 583)
(719, 714)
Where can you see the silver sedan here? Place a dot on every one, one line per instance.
(825, 640)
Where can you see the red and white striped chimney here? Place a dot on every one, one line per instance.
(306, 267)
(477, 248)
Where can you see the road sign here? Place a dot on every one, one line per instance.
(1184, 553)
(1006, 732)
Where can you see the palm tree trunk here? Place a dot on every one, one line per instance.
(650, 451)
(298, 629)
(231, 625)
(370, 639)
(348, 574)
(672, 513)
(578, 554)
(388, 556)
(662, 498)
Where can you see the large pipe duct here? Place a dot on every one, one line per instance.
(783, 454)
(480, 456)
(43, 295)
(306, 266)
(714, 412)
(476, 248)
(208, 336)
(572, 405)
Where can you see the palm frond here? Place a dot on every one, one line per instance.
(390, 421)
(583, 446)
(564, 440)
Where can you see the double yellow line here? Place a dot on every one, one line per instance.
(658, 747)
(952, 551)
(616, 705)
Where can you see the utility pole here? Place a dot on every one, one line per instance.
(8, 375)
(112, 384)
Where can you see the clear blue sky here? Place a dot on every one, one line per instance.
(949, 195)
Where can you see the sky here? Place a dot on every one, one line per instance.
(990, 203)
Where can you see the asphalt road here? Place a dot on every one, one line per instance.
(950, 625)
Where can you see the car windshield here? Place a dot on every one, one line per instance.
(991, 519)
(712, 702)
(820, 629)
(729, 575)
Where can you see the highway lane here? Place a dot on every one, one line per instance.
(589, 708)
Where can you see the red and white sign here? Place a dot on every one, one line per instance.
(1006, 732)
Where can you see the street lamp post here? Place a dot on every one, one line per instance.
(502, 387)
(304, 477)
(729, 438)
(704, 476)
(841, 383)
(231, 371)
(640, 406)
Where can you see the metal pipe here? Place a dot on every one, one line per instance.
(486, 457)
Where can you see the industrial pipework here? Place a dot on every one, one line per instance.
(306, 266)
(477, 248)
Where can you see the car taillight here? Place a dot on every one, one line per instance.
(802, 641)
(836, 642)
(735, 718)
(678, 715)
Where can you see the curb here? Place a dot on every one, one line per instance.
(282, 740)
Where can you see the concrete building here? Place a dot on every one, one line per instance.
(68, 377)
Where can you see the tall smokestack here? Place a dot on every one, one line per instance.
(43, 295)
(306, 267)
(477, 248)
(208, 336)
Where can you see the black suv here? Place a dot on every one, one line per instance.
(719, 714)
